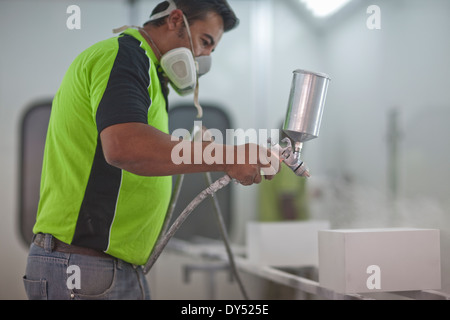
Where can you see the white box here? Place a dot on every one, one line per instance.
(379, 260)
(284, 244)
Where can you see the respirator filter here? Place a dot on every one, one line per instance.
(179, 66)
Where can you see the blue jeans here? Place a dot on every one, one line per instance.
(52, 275)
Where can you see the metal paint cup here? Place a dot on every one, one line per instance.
(306, 104)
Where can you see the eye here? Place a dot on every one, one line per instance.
(205, 43)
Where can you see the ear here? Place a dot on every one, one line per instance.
(175, 19)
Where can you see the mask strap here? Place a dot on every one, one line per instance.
(172, 6)
(196, 92)
(123, 28)
(189, 33)
(196, 102)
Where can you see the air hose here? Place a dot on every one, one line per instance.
(210, 191)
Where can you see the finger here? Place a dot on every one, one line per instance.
(257, 179)
(247, 181)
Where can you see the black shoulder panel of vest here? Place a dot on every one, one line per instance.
(126, 98)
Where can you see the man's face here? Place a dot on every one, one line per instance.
(206, 34)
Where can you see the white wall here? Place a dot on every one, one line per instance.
(403, 64)
(36, 49)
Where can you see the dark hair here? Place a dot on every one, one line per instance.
(198, 9)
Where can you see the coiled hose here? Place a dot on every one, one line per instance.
(210, 191)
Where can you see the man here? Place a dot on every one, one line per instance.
(106, 182)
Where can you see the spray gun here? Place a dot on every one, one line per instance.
(303, 118)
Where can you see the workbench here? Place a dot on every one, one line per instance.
(213, 258)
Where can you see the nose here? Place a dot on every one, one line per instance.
(203, 52)
(208, 52)
(203, 49)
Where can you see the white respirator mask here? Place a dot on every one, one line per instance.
(180, 66)
(183, 70)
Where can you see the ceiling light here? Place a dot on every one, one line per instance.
(324, 8)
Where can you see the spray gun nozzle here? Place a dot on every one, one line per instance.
(302, 171)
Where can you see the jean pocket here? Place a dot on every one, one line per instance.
(35, 289)
(96, 278)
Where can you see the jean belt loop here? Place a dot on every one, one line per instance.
(48, 243)
(119, 264)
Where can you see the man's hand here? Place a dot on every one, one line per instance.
(250, 163)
